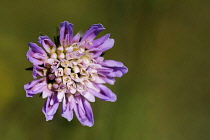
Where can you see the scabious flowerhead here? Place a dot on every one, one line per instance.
(72, 72)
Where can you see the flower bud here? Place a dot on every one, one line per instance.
(53, 55)
(59, 72)
(60, 49)
(67, 71)
(61, 56)
(49, 86)
(55, 85)
(66, 79)
(51, 76)
(69, 49)
(76, 69)
(58, 80)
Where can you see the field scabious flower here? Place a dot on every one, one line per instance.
(72, 72)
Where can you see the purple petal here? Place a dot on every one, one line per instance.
(67, 109)
(119, 71)
(66, 33)
(76, 38)
(92, 32)
(104, 70)
(118, 68)
(32, 59)
(46, 42)
(89, 96)
(107, 79)
(99, 41)
(112, 63)
(99, 59)
(108, 44)
(36, 54)
(105, 94)
(99, 80)
(35, 87)
(36, 49)
(83, 111)
(50, 109)
(94, 54)
(46, 93)
(113, 72)
(37, 71)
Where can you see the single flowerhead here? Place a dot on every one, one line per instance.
(72, 71)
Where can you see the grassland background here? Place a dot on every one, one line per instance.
(164, 43)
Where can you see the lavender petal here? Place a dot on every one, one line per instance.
(83, 111)
(36, 49)
(36, 54)
(37, 71)
(47, 43)
(105, 94)
(92, 32)
(67, 108)
(35, 87)
(99, 41)
(66, 33)
(50, 109)
(108, 44)
(118, 68)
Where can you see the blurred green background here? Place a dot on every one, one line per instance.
(164, 43)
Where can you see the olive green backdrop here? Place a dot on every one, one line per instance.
(164, 43)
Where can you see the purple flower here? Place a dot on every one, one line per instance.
(72, 71)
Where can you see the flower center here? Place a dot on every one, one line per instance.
(69, 69)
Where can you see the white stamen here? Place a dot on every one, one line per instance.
(69, 49)
(75, 77)
(60, 95)
(51, 102)
(67, 71)
(83, 71)
(51, 76)
(66, 79)
(76, 69)
(44, 72)
(53, 55)
(64, 63)
(71, 87)
(55, 85)
(58, 80)
(49, 86)
(59, 72)
(60, 49)
(61, 56)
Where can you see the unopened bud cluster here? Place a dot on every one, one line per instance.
(70, 70)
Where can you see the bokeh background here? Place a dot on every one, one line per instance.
(164, 43)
